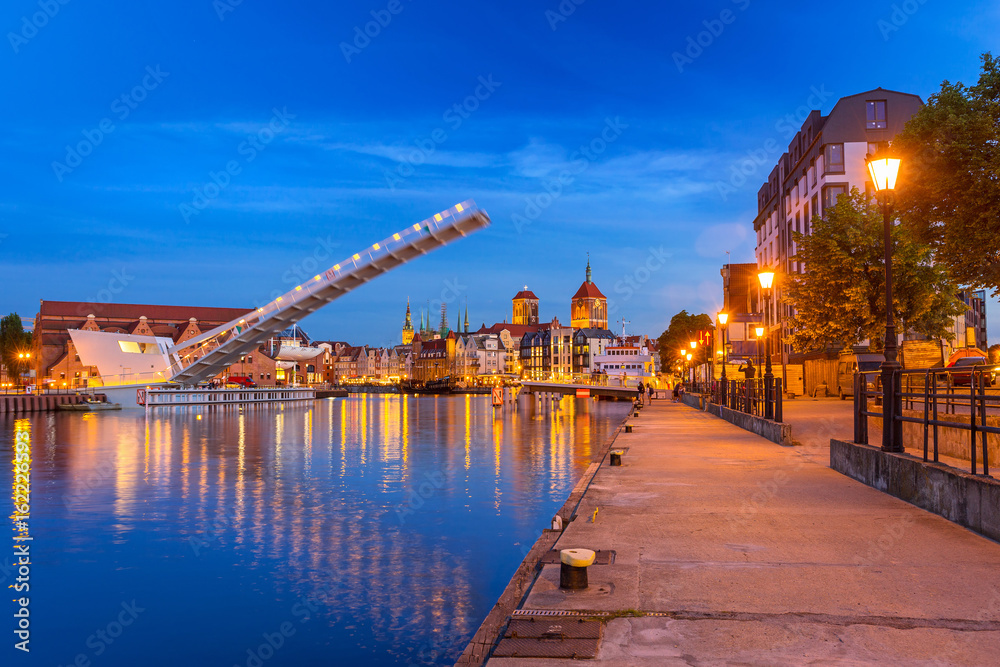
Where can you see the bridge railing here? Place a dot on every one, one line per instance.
(198, 346)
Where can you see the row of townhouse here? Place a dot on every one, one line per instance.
(344, 364)
(462, 357)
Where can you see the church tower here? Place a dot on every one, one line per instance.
(525, 307)
(407, 325)
(589, 307)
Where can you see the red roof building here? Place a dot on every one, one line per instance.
(589, 306)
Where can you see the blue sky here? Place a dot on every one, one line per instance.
(365, 139)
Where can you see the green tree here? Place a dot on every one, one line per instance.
(840, 299)
(14, 341)
(994, 353)
(949, 184)
(683, 329)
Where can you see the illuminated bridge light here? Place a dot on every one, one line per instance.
(336, 267)
(356, 257)
(395, 237)
(318, 278)
(458, 207)
(299, 288)
(279, 298)
(376, 246)
(417, 226)
(438, 217)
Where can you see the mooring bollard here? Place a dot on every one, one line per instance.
(628, 428)
(573, 573)
(616, 457)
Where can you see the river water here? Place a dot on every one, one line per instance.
(372, 530)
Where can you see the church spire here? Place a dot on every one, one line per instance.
(588, 269)
(408, 325)
(466, 316)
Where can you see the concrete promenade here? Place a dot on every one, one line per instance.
(734, 550)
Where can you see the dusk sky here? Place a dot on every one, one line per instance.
(119, 114)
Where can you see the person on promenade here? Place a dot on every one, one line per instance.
(642, 393)
(748, 370)
(677, 392)
(649, 390)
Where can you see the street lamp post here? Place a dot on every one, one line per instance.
(766, 281)
(723, 320)
(883, 169)
(760, 334)
(694, 374)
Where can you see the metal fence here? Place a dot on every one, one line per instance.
(749, 395)
(931, 392)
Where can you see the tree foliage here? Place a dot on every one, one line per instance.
(14, 340)
(949, 185)
(840, 299)
(683, 329)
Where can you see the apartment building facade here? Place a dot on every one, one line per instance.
(825, 159)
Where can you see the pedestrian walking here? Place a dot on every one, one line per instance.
(642, 392)
(677, 392)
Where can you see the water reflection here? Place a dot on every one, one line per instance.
(383, 528)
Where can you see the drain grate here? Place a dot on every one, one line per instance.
(541, 637)
(606, 557)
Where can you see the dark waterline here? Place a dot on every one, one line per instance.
(360, 531)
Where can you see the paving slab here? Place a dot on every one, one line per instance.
(731, 549)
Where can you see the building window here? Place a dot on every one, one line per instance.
(816, 211)
(875, 146)
(830, 194)
(834, 159)
(876, 115)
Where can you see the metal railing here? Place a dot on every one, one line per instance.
(931, 392)
(748, 395)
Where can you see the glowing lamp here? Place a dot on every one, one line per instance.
(760, 332)
(723, 318)
(883, 170)
(766, 279)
